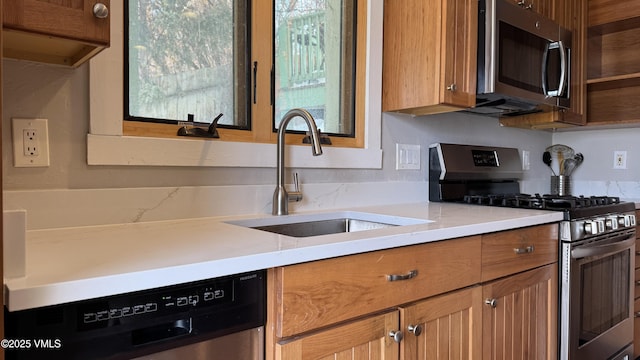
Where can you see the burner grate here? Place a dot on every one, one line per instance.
(537, 201)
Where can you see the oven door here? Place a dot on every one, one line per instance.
(600, 297)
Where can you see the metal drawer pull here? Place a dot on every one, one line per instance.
(491, 302)
(396, 335)
(637, 314)
(529, 249)
(415, 329)
(410, 275)
(637, 282)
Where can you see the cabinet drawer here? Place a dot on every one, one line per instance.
(320, 293)
(508, 252)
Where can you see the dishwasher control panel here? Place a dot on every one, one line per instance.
(178, 299)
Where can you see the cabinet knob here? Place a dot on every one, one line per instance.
(396, 335)
(415, 329)
(452, 87)
(100, 10)
(637, 314)
(491, 302)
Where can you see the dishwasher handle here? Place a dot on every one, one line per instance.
(161, 332)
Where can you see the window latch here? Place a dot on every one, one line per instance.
(324, 139)
(194, 131)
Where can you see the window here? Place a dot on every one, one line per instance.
(188, 57)
(113, 141)
(193, 57)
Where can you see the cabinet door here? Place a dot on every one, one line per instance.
(358, 340)
(459, 29)
(54, 31)
(67, 19)
(519, 316)
(429, 55)
(444, 327)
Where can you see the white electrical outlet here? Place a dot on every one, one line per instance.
(30, 142)
(619, 159)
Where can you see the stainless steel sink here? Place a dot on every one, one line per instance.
(323, 227)
(326, 223)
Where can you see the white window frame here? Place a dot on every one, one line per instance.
(106, 144)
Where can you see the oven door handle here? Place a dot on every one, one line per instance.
(601, 250)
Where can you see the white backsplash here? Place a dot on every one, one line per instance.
(48, 209)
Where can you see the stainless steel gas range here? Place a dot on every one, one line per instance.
(596, 245)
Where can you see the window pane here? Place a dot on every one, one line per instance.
(315, 60)
(184, 57)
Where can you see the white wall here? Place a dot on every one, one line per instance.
(596, 176)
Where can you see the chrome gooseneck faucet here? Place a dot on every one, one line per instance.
(281, 197)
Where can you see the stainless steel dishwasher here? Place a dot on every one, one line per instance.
(221, 318)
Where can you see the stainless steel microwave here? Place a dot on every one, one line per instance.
(524, 60)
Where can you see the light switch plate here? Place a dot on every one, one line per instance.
(407, 157)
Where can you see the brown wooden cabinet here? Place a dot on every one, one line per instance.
(444, 327)
(572, 15)
(361, 339)
(55, 32)
(429, 57)
(613, 67)
(519, 319)
(434, 294)
(520, 281)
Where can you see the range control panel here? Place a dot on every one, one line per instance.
(119, 309)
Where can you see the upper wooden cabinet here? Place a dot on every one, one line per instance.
(572, 15)
(613, 66)
(429, 61)
(55, 31)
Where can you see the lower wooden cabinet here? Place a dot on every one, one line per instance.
(421, 302)
(358, 340)
(520, 316)
(444, 327)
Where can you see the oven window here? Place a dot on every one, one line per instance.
(605, 294)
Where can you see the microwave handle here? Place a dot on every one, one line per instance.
(563, 69)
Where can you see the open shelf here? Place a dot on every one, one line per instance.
(613, 69)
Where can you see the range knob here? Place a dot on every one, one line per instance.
(627, 220)
(623, 221)
(591, 227)
(611, 223)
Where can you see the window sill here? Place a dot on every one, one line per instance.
(145, 151)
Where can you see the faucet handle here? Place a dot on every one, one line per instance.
(296, 194)
(296, 183)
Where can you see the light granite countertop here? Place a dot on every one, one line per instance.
(71, 264)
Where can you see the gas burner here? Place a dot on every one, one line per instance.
(537, 201)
